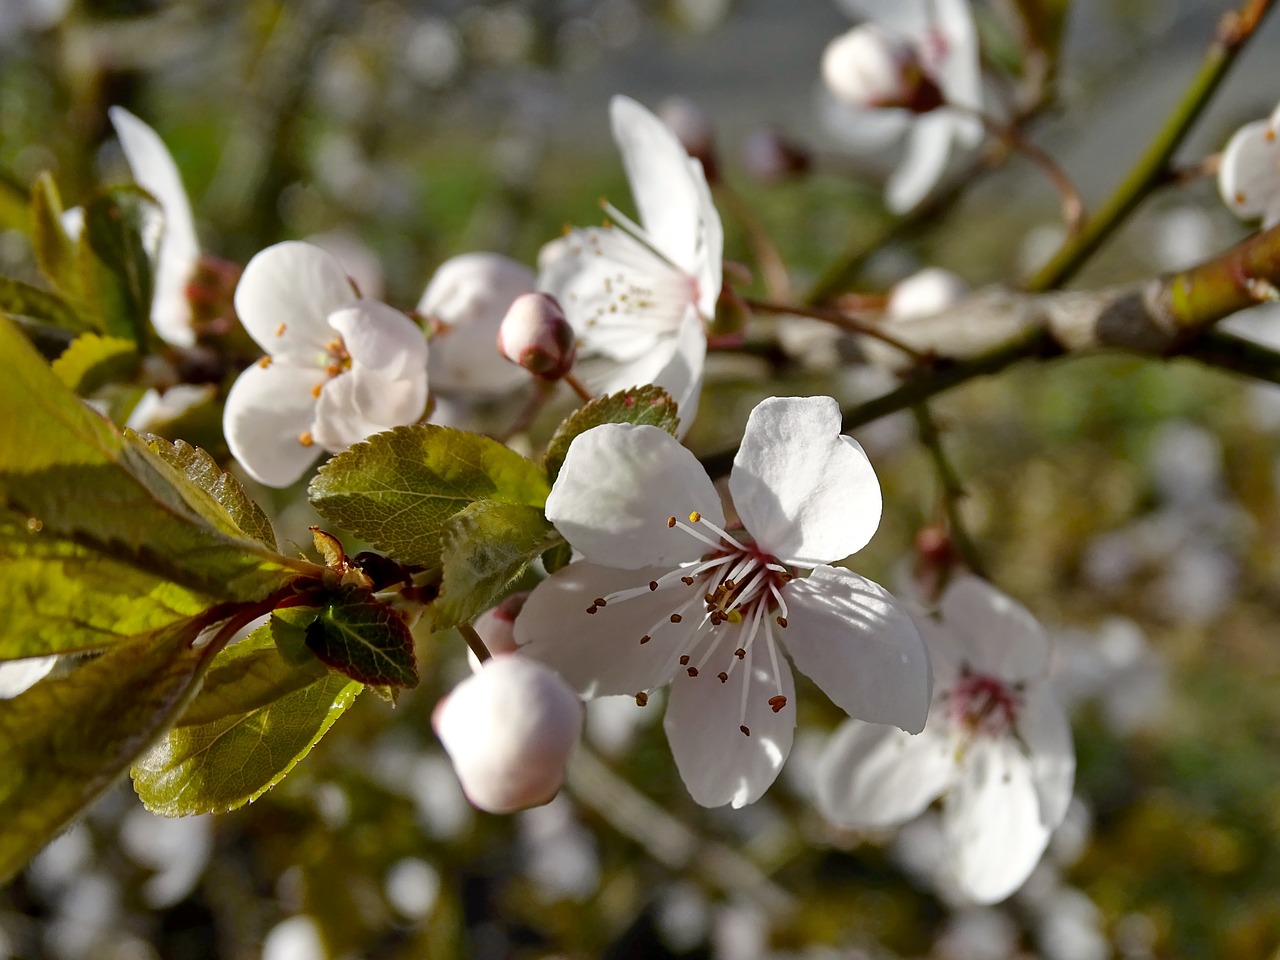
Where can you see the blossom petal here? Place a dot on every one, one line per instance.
(286, 294)
(998, 635)
(381, 338)
(1247, 176)
(852, 639)
(469, 295)
(663, 181)
(388, 402)
(924, 162)
(875, 775)
(709, 252)
(718, 763)
(339, 422)
(991, 821)
(19, 676)
(960, 73)
(616, 490)
(807, 494)
(154, 170)
(600, 654)
(1043, 727)
(267, 410)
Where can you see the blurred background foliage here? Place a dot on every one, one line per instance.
(1133, 506)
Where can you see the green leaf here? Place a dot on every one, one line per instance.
(67, 739)
(93, 361)
(21, 300)
(56, 253)
(247, 518)
(397, 489)
(255, 717)
(15, 207)
(115, 257)
(366, 640)
(648, 405)
(487, 547)
(288, 627)
(91, 517)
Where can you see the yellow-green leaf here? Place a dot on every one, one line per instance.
(92, 361)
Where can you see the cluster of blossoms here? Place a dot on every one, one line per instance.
(665, 589)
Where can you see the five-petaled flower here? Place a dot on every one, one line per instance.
(637, 294)
(339, 367)
(997, 746)
(1249, 172)
(928, 60)
(666, 592)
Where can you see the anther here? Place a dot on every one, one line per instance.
(782, 621)
(687, 581)
(315, 391)
(693, 671)
(645, 639)
(653, 584)
(599, 602)
(642, 698)
(676, 618)
(695, 516)
(592, 608)
(723, 677)
(684, 661)
(740, 653)
(671, 522)
(280, 329)
(265, 362)
(746, 731)
(777, 703)
(305, 438)
(729, 585)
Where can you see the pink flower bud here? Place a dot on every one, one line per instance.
(770, 157)
(535, 334)
(509, 730)
(497, 627)
(868, 68)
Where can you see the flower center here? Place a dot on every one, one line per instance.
(735, 589)
(983, 705)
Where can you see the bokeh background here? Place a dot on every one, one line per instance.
(1134, 506)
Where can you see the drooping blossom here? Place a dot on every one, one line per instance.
(926, 56)
(509, 729)
(666, 593)
(997, 747)
(1249, 172)
(465, 303)
(178, 254)
(637, 294)
(339, 367)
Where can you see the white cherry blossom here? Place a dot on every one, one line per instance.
(178, 255)
(19, 676)
(465, 302)
(666, 593)
(1249, 173)
(637, 294)
(997, 746)
(936, 37)
(339, 367)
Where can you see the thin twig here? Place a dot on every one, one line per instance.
(473, 641)
(951, 490)
(1150, 171)
(838, 318)
(1072, 204)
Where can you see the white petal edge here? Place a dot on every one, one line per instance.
(286, 294)
(616, 490)
(19, 676)
(851, 638)
(923, 162)
(806, 493)
(998, 635)
(155, 171)
(717, 762)
(1045, 731)
(266, 412)
(991, 822)
(662, 181)
(600, 654)
(873, 775)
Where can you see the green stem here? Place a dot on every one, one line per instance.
(951, 489)
(1152, 167)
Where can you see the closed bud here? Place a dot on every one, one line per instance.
(866, 67)
(925, 293)
(535, 335)
(509, 730)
